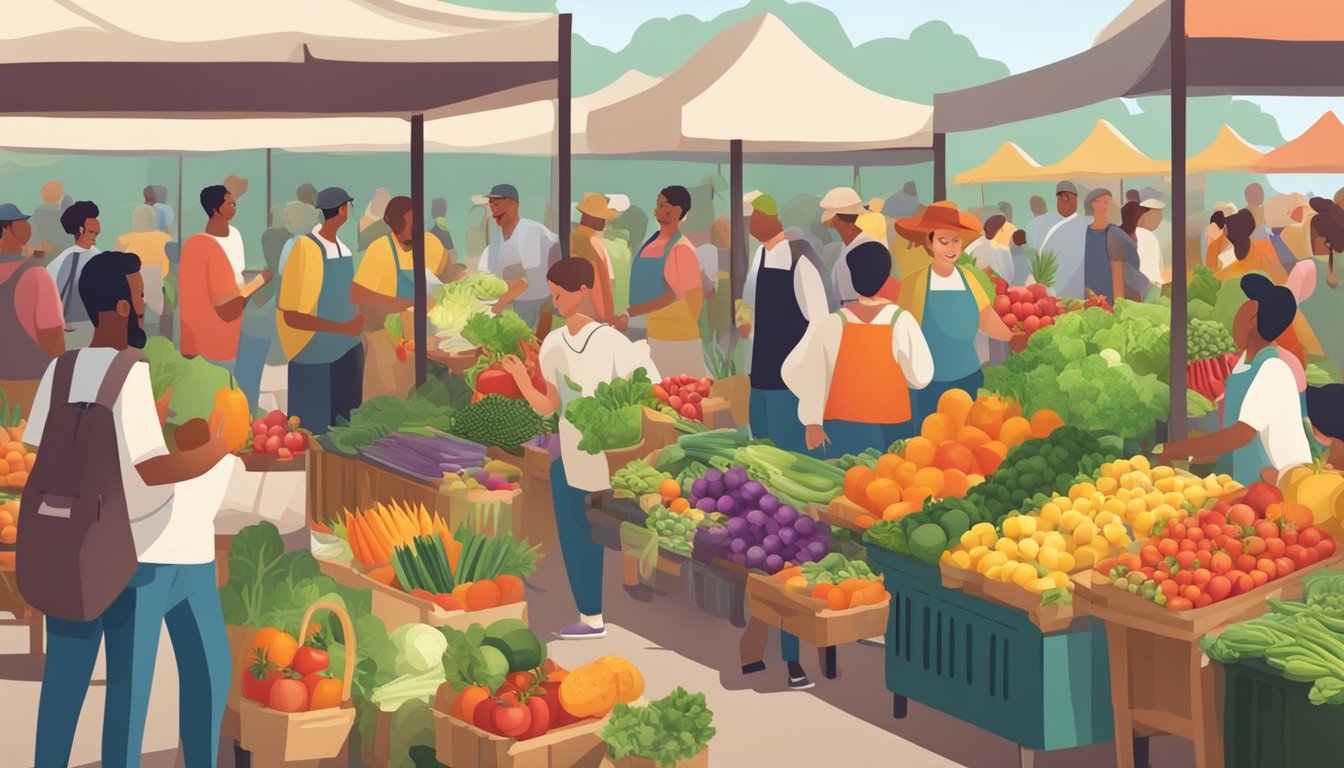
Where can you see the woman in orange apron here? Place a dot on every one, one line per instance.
(853, 370)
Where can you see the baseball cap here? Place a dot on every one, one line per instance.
(759, 201)
(503, 190)
(1153, 203)
(332, 197)
(11, 212)
(1066, 186)
(841, 200)
(1096, 193)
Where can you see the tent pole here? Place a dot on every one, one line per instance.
(982, 195)
(939, 166)
(418, 245)
(858, 181)
(179, 204)
(269, 222)
(563, 83)
(737, 256)
(1176, 425)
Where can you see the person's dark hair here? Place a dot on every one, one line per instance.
(103, 283)
(572, 274)
(1020, 238)
(438, 207)
(993, 224)
(1325, 408)
(396, 211)
(330, 213)
(151, 193)
(5, 225)
(72, 220)
(1328, 223)
(1132, 196)
(1239, 227)
(212, 198)
(680, 197)
(869, 267)
(848, 218)
(1277, 306)
(1130, 214)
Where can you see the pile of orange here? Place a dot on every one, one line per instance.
(958, 446)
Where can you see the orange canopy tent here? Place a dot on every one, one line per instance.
(1320, 149)
(1228, 153)
(1106, 153)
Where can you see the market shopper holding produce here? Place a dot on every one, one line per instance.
(519, 255)
(574, 360)
(319, 328)
(384, 285)
(1262, 410)
(949, 303)
(853, 371)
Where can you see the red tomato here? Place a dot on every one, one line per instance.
(1255, 546)
(522, 681)
(1168, 547)
(1309, 537)
(1218, 588)
(1148, 571)
(540, 712)
(1203, 576)
(1233, 532)
(1289, 536)
(259, 689)
(1266, 529)
(1204, 601)
(1326, 547)
(1212, 530)
(1298, 554)
(559, 716)
(1209, 516)
(1313, 555)
(274, 443)
(288, 695)
(1185, 559)
(1169, 588)
(689, 411)
(693, 398)
(308, 660)
(1244, 582)
(1189, 545)
(510, 718)
(1260, 578)
(1184, 578)
(1246, 563)
(1234, 548)
(1221, 562)
(1179, 604)
(1176, 531)
(1274, 548)
(1284, 566)
(1150, 556)
(1205, 547)
(1194, 533)
(1161, 577)
(1266, 566)
(675, 402)
(1191, 592)
(293, 441)
(1241, 514)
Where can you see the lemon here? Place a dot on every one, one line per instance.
(1072, 519)
(991, 573)
(961, 560)
(1143, 481)
(988, 539)
(1141, 463)
(1122, 467)
(1040, 585)
(1136, 506)
(993, 559)
(1051, 512)
(1082, 491)
(1127, 483)
(1006, 546)
(1027, 549)
(1154, 499)
(1164, 512)
(1048, 557)
(969, 540)
(1105, 518)
(1115, 533)
(1060, 579)
(1083, 534)
(1012, 528)
(1083, 506)
(980, 529)
(978, 552)
(1115, 507)
(1023, 576)
(1028, 526)
(1196, 494)
(1174, 498)
(1166, 484)
(1067, 562)
(1143, 523)
(1162, 473)
(1108, 485)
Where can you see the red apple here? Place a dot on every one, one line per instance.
(1037, 290)
(274, 444)
(1047, 320)
(293, 441)
(276, 432)
(258, 444)
(259, 427)
(1003, 305)
(688, 411)
(1031, 324)
(276, 419)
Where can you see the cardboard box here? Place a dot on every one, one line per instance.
(464, 746)
(737, 391)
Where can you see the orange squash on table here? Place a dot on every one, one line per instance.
(589, 691)
(629, 681)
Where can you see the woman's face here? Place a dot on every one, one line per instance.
(568, 303)
(1319, 247)
(1214, 232)
(1243, 326)
(945, 246)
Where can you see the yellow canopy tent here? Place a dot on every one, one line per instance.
(1107, 154)
(1320, 149)
(1228, 152)
(1008, 163)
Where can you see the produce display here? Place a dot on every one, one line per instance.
(494, 476)
(797, 479)
(418, 667)
(1319, 489)
(762, 531)
(1044, 267)
(488, 376)
(274, 435)
(958, 446)
(498, 421)
(9, 519)
(684, 394)
(18, 461)
(1152, 495)
(469, 572)
(675, 531)
(375, 533)
(612, 416)
(425, 457)
(191, 384)
(838, 581)
(497, 335)
(638, 479)
(1224, 551)
(1304, 640)
(500, 681)
(429, 407)
(1026, 309)
(1208, 376)
(1035, 469)
(674, 728)
(287, 677)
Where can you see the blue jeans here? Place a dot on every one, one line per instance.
(247, 368)
(774, 416)
(852, 437)
(186, 599)
(582, 555)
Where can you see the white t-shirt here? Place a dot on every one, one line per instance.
(952, 282)
(596, 354)
(183, 533)
(1273, 408)
(1150, 254)
(233, 248)
(526, 249)
(841, 283)
(139, 435)
(74, 306)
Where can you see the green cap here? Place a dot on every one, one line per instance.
(762, 202)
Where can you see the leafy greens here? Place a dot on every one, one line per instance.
(665, 731)
(612, 417)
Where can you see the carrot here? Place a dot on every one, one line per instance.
(352, 537)
(374, 536)
(837, 599)
(384, 574)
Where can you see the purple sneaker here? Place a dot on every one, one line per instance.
(581, 631)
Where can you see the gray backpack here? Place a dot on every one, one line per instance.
(76, 553)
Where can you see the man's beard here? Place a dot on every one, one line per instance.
(135, 332)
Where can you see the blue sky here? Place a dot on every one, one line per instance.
(1023, 34)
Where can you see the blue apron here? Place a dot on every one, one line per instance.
(951, 321)
(780, 325)
(1245, 463)
(646, 273)
(405, 277)
(333, 303)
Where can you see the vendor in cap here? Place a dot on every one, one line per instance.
(585, 242)
(1262, 410)
(520, 255)
(1110, 256)
(854, 369)
(782, 295)
(949, 302)
(318, 326)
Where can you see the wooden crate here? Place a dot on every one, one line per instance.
(475, 508)
(337, 482)
(701, 760)
(397, 608)
(1049, 618)
(842, 513)
(737, 391)
(257, 462)
(11, 601)
(465, 746)
(1161, 682)
(808, 618)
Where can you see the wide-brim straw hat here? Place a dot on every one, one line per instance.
(941, 215)
(598, 207)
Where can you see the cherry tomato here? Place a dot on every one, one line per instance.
(1176, 531)
(1326, 547)
(1274, 548)
(1221, 562)
(1309, 537)
(1284, 566)
(1179, 604)
(1255, 545)
(1298, 554)
(1191, 592)
(1170, 588)
(1195, 533)
(288, 695)
(1289, 536)
(1218, 588)
(1266, 529)
(1204, 601)
(1184, 578)
(540, 712)
(1261, 578)
(1150, 555)
(1267, 567)
(510, 719)
(1203, 576)
(1168, 547)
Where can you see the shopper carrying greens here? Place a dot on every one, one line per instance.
(574, 360)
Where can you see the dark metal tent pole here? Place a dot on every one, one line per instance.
(418, 245)
(564, 96)
(737, 258)
(1176, 427)
(939, 166)
(269, 222)
(179, 205)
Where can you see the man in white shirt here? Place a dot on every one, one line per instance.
(988, 253)
(1041, 223)
(79, 221)
(520, 255)
(1066, 240)
(841, 209)
(1145, 239)
(112, 289)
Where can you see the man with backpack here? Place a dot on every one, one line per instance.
(97, 556)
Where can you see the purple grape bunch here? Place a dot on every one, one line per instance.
(762, 532)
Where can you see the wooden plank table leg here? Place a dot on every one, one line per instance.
(1026, 758)
(1204, 713)
(828, 662)
(1117, 643)
(630, 574)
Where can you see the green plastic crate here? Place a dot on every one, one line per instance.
(1267, 720)
(990, 666)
